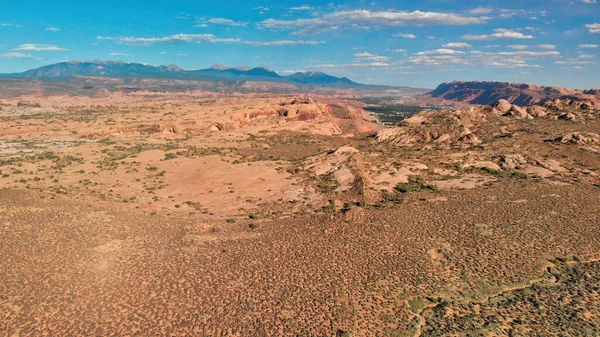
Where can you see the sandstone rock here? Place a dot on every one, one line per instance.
(443, 138)
(216, 127)
(579, 138)
(537, 111)
(468, 136)
(568, 116)
(346, 149)
(512, 161)
(483, 165)
(502, 106)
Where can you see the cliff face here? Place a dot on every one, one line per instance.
(515, 93)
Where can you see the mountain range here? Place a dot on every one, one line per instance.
(215, 73)
(475, 92)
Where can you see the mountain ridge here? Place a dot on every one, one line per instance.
(214, 73)
(489, 92)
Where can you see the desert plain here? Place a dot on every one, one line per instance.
(211, 214)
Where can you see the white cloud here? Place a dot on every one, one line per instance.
(590, 1)
(405, 36)
(365, 19)
(594, 27)
(587, 56)
(16, 55)
(447, 58)
(9, 25)
(227, 22)
(53, 29)
(512, 64)
(546, 46)
(457, 45)
(574, 62)
(499, 34)
(539, 46)
(399, 50)
(553, 53)
(119, 54)
(199, 38)
(283, 43)
(39, 47)
(354, 65)
(591, 46)
(441, 52)
(366, 56)
(517, 46)
(437, 60)
(301, 8)
(171, 39)
(480, 10)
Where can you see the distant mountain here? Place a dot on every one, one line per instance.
(215, 73)
(317, 77)
(516, 93)
(97, 68)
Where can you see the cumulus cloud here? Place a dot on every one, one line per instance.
(171, 39)
(4, 24)
(399, 50)
(365, 19)
(199, 38)
(444, 58)
(511, 64)
(39, 47)
(593, 28)
(524, 47)
(498, 34)
(436, 60)
(366, 56)
(119, 54)
(226, 22)
(441, 52)
(301, 8)
(354, 65)
(590, 46)
(457, 45)
(553, 53)
(53, 29)
(480, 10)
(517, 46)
(405, 36)
(574, 62)
(590, 1)
(16, 55)
(361, 60)
(283, 43)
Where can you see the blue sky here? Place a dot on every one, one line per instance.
(411, 43)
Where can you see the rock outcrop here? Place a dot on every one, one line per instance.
(486, 93)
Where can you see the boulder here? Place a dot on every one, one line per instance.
(537, 111)
(502, 106)
(579, 138)
(512, 161)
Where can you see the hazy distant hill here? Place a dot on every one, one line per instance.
(319, 78)
(215, 73)
(516, 93)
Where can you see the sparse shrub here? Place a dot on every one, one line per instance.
(415, 184)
